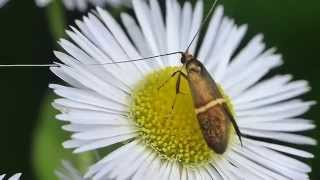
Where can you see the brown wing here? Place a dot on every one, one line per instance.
(224, 106)
(215, 121)
(214, 125)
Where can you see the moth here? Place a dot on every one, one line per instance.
(213, 114)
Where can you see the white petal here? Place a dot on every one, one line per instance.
(191, 174)
(271, 164)
(108, 132)
(262, 88)
(123, 40)
(100, 71)
(15, 177)
(197, 173)
(196, 22)
(138, 155)
(142, 171)
(163, 170)
(223, 31)
(227, 50)
(112, 156)
(103, 143)
(283, 149)
(136, 35)
(245, 169)
(255, 167)
(86, 96)
(282, 116)
(66, 103)
(213, 173)
(277, 108)
(119, 47)
(273, 99)
(282, 160)
(284, 137)
(65, 77)
(166, 169)
(74, 143)
(243, 80)
(160, 31)
(220, 169)
(284, 125)
(96, 84)
(131, 168)
(97, 54)
(271, 91)
(81, 127)
(248, 54)
(143, 14)
(86, 31)
(211, 34)
(107, 49)
(172, 23)
(93, 118)
(186, 18)
(175, 171)
(153, 169)
(230, 170)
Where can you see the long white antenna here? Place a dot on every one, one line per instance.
(140, 59)
(97, 64)
(29, 65)
(202, 24)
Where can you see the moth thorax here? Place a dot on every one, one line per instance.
(186, 57)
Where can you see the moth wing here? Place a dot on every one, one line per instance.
(218, 94)
(214, 128)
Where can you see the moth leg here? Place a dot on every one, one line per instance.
(166, 81)
(181, 74)
(184, 75)
(178, 90)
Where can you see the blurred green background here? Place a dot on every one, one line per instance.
(26, 37)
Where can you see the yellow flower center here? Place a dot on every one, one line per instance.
(169, 128)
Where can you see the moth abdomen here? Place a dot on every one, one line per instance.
(214, 127)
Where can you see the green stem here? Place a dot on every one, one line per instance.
(56, 19)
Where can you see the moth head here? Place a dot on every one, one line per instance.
(186, 57)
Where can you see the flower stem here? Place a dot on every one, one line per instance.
(56, 19)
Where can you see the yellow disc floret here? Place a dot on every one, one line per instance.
(167, 121)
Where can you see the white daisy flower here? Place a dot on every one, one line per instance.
(68, 172)
(123, 104)
(14, 177)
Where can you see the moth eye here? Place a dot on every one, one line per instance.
(183, 60)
